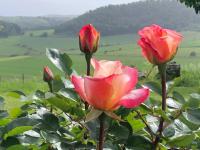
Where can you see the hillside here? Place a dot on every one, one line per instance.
(128, 18)
(7, 29)
(33, 23)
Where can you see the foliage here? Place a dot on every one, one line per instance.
(31, 125)
(192, 3)
(7, 29)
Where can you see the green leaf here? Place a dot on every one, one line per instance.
(169, 131)
(17, 94)
(192, 115)
(10, 141)
(193, 102)
(4, 121)
(1, 102)
(173, 104)
(61, 60)
(49, 122)
(30, 137)
(138, 142)
(69, 94)
(3, 114)
(154, 86)
(13, 107)
(57, 84)
(180, 127)
(51, 137)
(136, 124)
(181, 141)
(18, 147)
(17, 130)
(159, 111)
(67, 105)
(39, 95)
(118, 131)
(189, 124)
(93, 127)
(14, 112)
(76, 145)
(177, 96)
(144, 108)
(67, 83)
(162, 147)
(18, 126)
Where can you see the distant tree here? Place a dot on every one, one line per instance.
(44, 34)
(31, 34)
(192, 3)
(7, 29)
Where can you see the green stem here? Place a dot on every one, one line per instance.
(50, 84)
(162, 71)
(88, 57)
(101, 132)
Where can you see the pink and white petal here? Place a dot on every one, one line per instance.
(134, 98)
(79, 86)
(147, 51)
(126, 82)
(123, 84)
(99, 92)
(106, 68)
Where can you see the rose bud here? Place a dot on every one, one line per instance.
(159, 45)
(88, 39)
(47, 74)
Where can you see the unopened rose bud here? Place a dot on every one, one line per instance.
(47, 74)
(89, 39)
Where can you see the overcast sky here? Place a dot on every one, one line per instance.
(52, 7)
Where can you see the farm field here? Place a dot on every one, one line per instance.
(21, 56)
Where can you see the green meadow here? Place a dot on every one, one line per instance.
(22, 58)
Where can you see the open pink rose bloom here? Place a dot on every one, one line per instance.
(111, 86)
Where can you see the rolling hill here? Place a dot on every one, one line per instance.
(128, 18)
(35, 23)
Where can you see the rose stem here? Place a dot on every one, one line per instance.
(162, 71)
(101, 132)
(50, 84)
(88, 57)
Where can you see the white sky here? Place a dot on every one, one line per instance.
(52, 7)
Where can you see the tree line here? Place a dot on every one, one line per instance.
(128, 18)
(7, 29)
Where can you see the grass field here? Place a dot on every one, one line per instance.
(25, 56)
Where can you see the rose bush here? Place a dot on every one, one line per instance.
(57, 119)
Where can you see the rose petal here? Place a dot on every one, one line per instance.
(79, 86)
(105, 93)
(106, 68)
(148, 52)
(88, 38)
(99, 91)
(134, 98)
